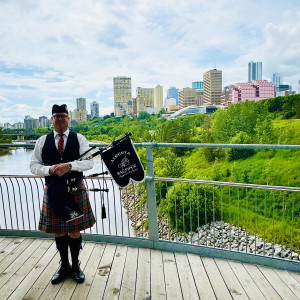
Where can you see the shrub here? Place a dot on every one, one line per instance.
(234, 153)
(189, 206)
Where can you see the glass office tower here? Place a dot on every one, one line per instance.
(173, 93)
(254, 71)
(276, 79)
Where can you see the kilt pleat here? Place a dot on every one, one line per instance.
(51, 223)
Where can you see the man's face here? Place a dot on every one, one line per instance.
(60, 122)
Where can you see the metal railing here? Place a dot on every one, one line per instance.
(21, 199)
(240, 221)
(243, 217)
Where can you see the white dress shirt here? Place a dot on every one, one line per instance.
(36, 164)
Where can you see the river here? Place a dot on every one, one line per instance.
(16, 162)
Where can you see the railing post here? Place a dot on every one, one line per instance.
(151, 198)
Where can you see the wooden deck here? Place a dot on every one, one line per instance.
(121, 272)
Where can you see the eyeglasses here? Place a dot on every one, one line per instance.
(60, 116)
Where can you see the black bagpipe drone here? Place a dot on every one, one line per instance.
(121, 161)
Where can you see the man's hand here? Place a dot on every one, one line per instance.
(60, 169)
(52, 168)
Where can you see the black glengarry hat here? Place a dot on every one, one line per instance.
(59, 109)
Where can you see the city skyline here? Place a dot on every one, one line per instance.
(58, 52)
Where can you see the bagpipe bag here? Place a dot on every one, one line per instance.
(123, 162)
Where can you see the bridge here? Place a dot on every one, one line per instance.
(21, 135)
(216, 260)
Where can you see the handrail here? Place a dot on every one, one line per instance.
(179, 145)
(153, 239)
(107, 177)
(234, 184)
(21, 198)
(210, 145)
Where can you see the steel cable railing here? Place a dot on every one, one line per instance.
(235, 217)
(21, 199)
(225, 217)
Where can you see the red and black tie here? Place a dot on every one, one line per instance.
(60, 147)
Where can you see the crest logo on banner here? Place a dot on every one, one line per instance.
(123, 162)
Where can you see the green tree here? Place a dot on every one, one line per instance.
(143, 115)
(274, 104)
(5, 139)
(239, 117)
(174, 165)
(235, 153)
(265, 132)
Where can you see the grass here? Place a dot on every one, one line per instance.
(277, 231)
(289, 129)
(267, 167)
(280, 167)
(288, 124)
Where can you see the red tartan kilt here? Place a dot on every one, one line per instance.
(51, 223)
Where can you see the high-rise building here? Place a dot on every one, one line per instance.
(81, 103)
(94, 109)
(80, 116)
(254, 71)
(144, 98)
(198, 86)
(255, 90)
(30, 123)
(131, 108)
(187, 97)
(212, 84)
(122, 94)
(225, 93)
(44, 121)
(276, 79)
(72, 116)
(81, 113)
(299, 87)
(172, 92)
(140, 104)
(147, 94)
(199, 97)
(7, 126)
(158, 98)
(18, 125)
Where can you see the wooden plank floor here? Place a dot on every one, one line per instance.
(122, 272)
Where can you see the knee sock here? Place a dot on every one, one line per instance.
(75, 247)
(62, 246)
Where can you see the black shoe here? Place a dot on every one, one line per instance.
(78, 275)
(62, 273)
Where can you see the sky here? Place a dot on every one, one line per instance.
(52, 52)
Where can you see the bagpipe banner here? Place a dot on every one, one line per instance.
(123, 162)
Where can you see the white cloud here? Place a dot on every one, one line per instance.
(55, 51)
(4, 100)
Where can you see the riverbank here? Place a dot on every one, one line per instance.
(4, 151)
(218, 234)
